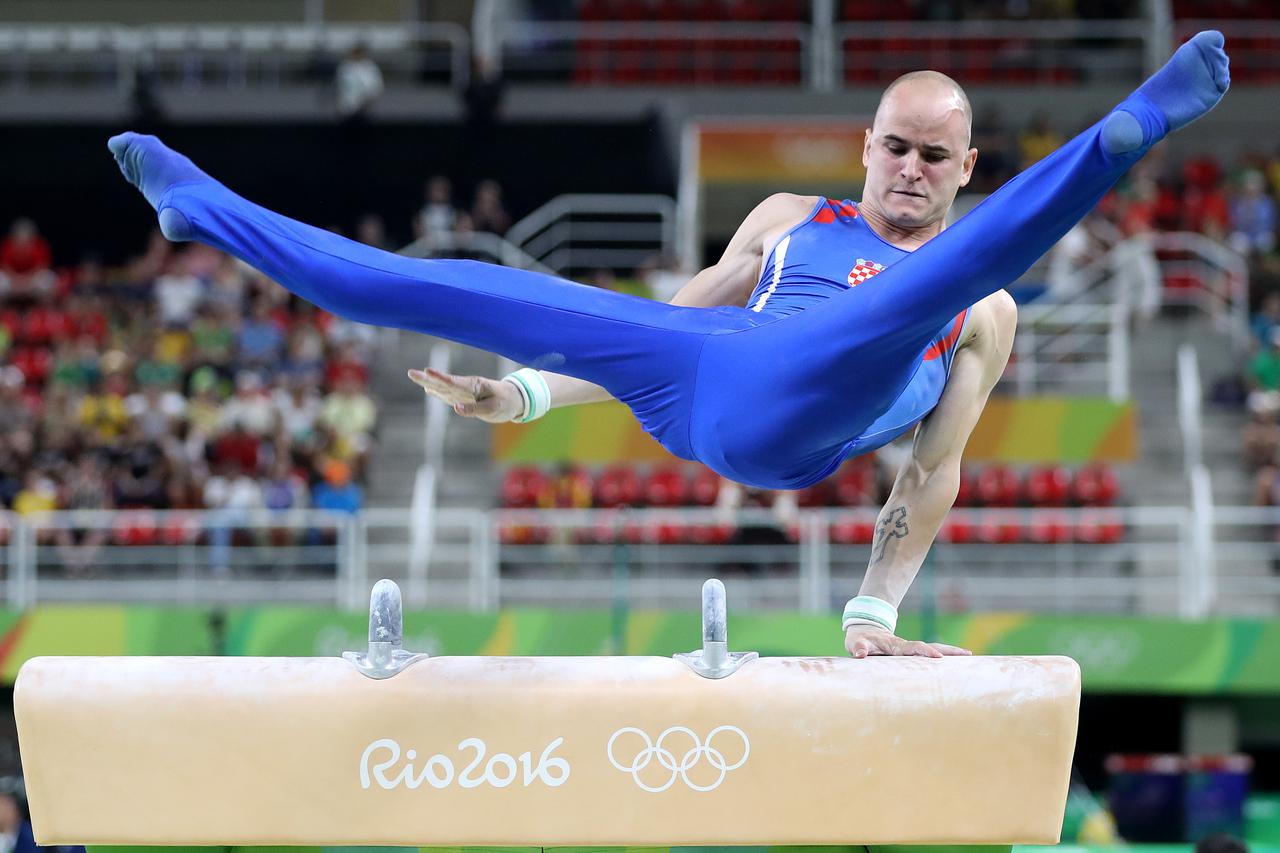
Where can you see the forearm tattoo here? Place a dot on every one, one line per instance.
(892, 526)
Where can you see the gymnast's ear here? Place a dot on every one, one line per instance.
(970, 157)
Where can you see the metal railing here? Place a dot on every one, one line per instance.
(1080, 560)
(231, 56)
(1074, 349)
(1214, 276)
(1030, 52)
(480, 245)
(656, 53)
(576, 233)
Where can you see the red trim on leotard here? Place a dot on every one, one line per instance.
(936, 350)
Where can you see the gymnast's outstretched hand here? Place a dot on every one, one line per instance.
(863, 640)
(491, 400)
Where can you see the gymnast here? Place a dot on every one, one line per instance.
(909, 323)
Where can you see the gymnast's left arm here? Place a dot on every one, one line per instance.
(929, 480)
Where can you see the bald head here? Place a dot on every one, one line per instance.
(917, 153)
(933, 87)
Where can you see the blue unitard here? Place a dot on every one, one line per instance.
(769, 398)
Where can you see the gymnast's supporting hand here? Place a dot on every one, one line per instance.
(861, 641)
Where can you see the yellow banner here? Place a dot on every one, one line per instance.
(823, 151)
(1037, 429)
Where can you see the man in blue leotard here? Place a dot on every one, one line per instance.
(849, 323)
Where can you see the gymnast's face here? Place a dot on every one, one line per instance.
(917, 153)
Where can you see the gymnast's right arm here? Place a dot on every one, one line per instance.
(728, 282)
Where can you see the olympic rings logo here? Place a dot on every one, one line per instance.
(652, 751)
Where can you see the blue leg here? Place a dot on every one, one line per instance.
(644, 352)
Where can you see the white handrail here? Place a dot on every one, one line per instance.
(1200, 594)
(481, 242)
(1173, 546)
(423, 502)
(1190, 396)
(544, 232)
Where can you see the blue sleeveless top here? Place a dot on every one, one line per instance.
(832, 250)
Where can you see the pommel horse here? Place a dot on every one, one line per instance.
(386, 747)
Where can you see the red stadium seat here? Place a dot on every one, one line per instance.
(854, 531)
(1101, 526)
(180, 530)
(998, 486)
(666, 486)
(1095, 485)
(1048, 486)
(1050, 528)
(854, 484)
(616, 486)
(34, 362)
(135, 527)
(521, 486)
(966, 495)
(704, 487)
(999, 529)
(957, 531)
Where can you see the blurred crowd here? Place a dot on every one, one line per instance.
(182, 379)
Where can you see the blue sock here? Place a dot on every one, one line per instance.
(153, 167)
(1189, 85)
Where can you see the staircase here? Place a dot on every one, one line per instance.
(1158, 477)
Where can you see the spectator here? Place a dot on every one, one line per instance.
(371, 231)
(1262, 374)
(26, 261)
(359, 83)
(337, 491)
(305, 358)
(102, 412)
(178, 293)
(204, 409)
(238, 446)
(298, 407)
(1221, 842)
(228, 285)
(261, 343)
(251, 408)
(996, 163)
(140, 475)
(213, 339)
(155, 410)
(1261, 437)
(1038, 140)
(1204, 204)
(15, 829)
(351, 415)
(487, 211)
(437, 216)
(284, 489)
(1253, 217)
(39, 494)
(1266, 318)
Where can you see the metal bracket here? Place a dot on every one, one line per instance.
(385, 657)
(714, 660)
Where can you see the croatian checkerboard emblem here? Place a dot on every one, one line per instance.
(862, 271)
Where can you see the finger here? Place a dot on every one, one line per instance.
(951, 650)
(441, 386)
(924, 650)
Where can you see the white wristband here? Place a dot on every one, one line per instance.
(869, 610)
(534, 391)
